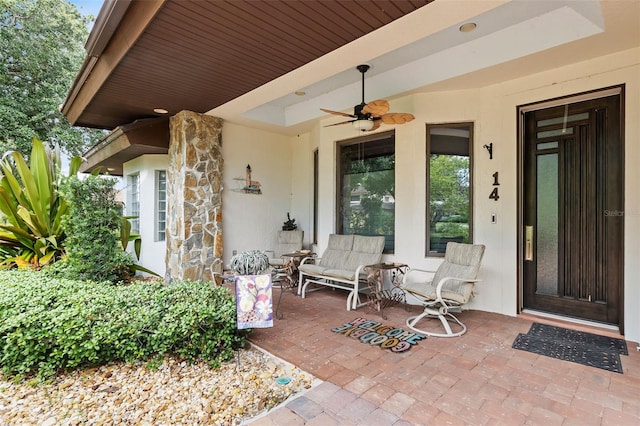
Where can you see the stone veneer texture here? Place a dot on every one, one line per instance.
(194, 197)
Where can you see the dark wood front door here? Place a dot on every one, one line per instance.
(574, 210)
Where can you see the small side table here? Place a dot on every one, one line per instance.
(290, 269)
(379, 296)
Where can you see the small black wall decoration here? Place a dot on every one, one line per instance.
(490, 149)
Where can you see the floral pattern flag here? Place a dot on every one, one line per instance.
(254, 301)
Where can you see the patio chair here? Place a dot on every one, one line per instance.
(445, 290)
(288, 242)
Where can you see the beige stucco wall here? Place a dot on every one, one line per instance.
(250, 221)
(493, 111)
(284, 167)
(152, 252)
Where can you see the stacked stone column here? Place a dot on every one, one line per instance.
(194, 198)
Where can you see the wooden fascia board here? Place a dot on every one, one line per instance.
(94, 73)
(106, 24)
(112, 145)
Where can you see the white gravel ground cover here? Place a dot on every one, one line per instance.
(175, 393)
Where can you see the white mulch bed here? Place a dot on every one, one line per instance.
(176, 393)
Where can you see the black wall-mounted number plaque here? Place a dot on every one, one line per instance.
(494, 194)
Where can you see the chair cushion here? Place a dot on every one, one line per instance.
(311, 269)
(427, 291)
(288, 242)
(460, 261)
(338, 249)
(366, 251)
(340, 242)
(340, 273)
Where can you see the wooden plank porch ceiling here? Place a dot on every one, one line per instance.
(198, 55)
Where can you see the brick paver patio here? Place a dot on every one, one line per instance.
(475, 379)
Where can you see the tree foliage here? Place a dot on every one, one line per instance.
(371, 179)
(41, 50)
(448, 198)
(449, 186)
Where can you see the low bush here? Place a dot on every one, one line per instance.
(48, 324)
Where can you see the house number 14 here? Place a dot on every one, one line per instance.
(494, 194)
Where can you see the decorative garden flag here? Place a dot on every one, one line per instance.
(254, 301)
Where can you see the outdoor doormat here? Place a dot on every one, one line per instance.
(575, 346)
(378, 334)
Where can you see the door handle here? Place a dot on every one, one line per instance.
(528, 243)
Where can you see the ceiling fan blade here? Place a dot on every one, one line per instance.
(396, 118)
(376, 108)
(376, 124)
(343, 114)
(342, 122)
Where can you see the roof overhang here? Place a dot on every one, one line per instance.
(198, 55)
(124, 143)
(243, 61)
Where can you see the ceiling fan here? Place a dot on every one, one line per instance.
(369, 116)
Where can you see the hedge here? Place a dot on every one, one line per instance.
(49, 323)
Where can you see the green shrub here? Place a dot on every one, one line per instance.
(49, 324)
(92, 225)
(452, 229)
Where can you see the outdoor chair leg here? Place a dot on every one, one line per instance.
(444, 319)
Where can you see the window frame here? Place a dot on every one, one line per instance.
(467, 125)
(133, 200)
(376, 137)
(316, 194)
(160, 231)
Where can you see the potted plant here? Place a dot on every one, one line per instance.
(252, 262)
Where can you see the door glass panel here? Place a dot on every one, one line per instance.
(547, 225)
(554, 133)
(567, 119)
(547, 145)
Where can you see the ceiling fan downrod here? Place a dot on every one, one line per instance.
(363, 69)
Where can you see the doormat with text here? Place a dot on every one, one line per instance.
(575, 346)
(378, 334)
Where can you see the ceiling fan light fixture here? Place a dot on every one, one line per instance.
(369, 116)
(363, 125)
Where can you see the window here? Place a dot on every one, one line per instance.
(133, 186)
(448, 185)
(315, 196)
(366, 179)
(161, 204)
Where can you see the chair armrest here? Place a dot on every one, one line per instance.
(305, 259)
(445, 279)
(359, 270)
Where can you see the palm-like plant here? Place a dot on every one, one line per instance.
(33, 209)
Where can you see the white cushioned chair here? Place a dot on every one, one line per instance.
(446, 289)
(342, 265)
(288, 242)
